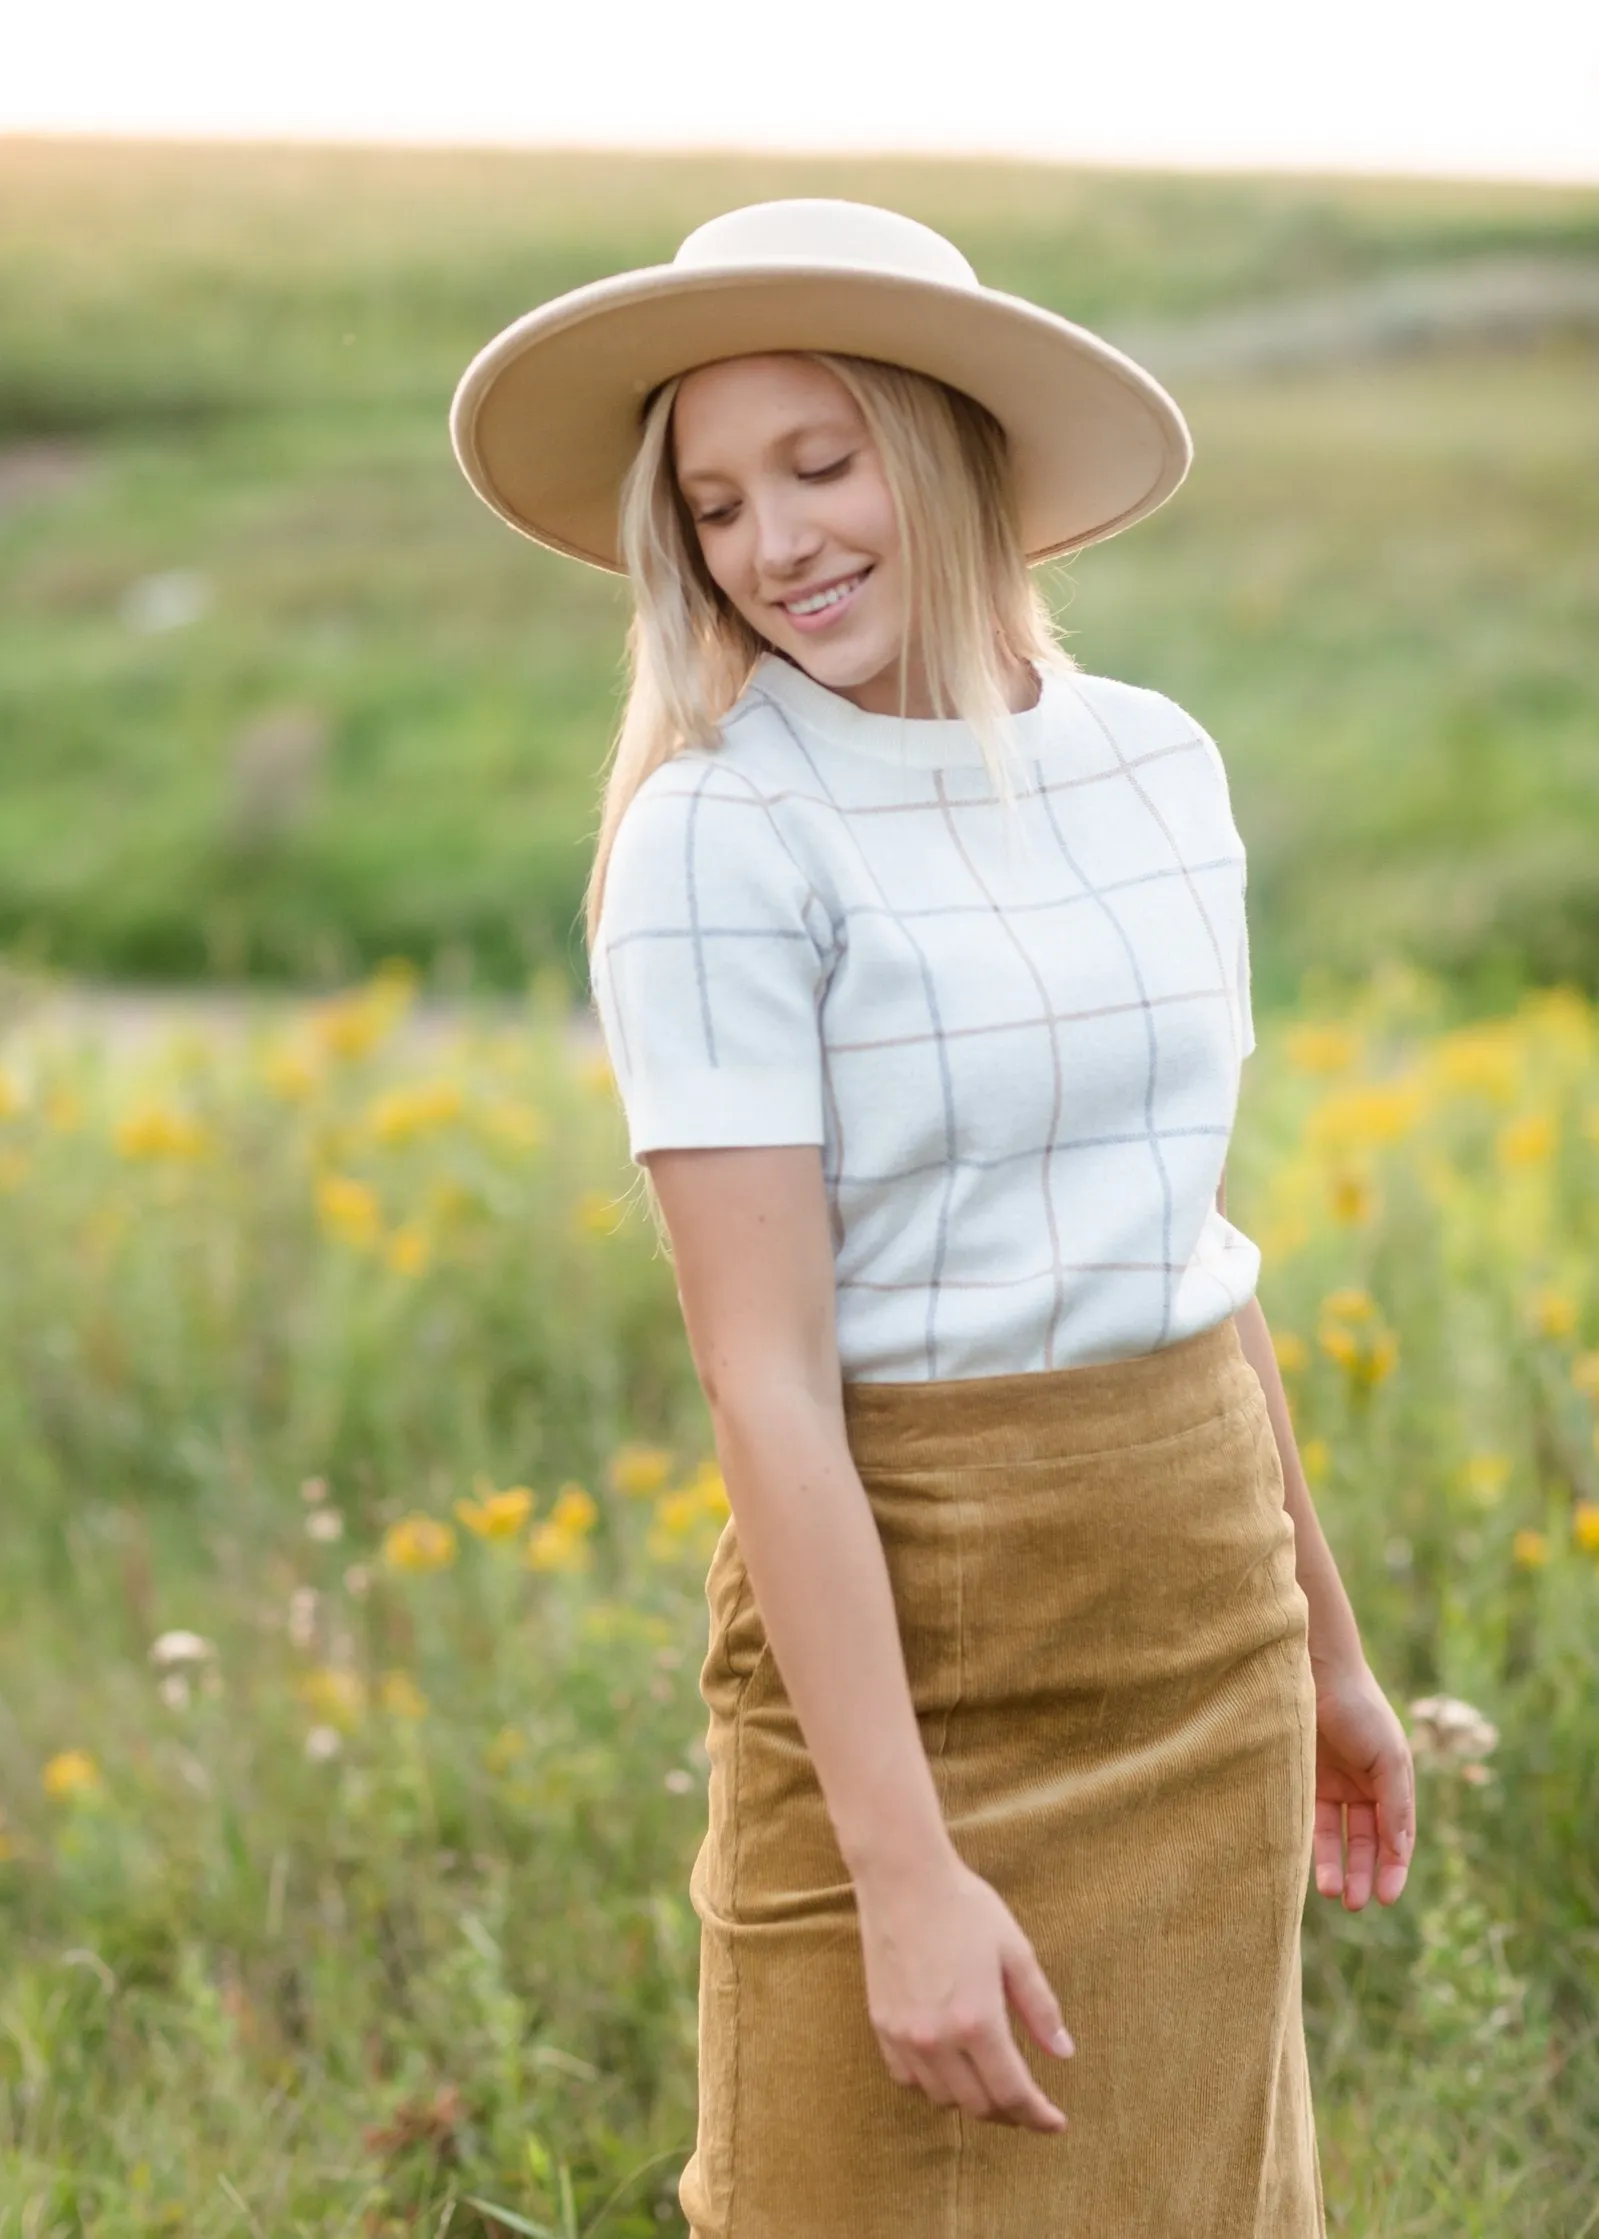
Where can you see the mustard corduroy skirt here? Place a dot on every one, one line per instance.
(1093, 1571)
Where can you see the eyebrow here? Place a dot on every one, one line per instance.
(834, 424)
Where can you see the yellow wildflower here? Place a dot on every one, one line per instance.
(1530, 1549)
(401, 1114)
(636, 1468)
(1528, 1141)
(519, 1127)
(156, 1131)
(710, 1489)
(502, 1752)
(552, 1548)
(72, 1772)
(1351, 1196)
(1564, 1014)
(575, 1509)
(401, 1697)
(1554, 1312)
(1291, 1351)
(290, 1070)
(337, 1696)
(1585, 1526)
(1322, 1049)
(495, 1515)
(1314, 1460)
(1350, 1334)
(1485, 1476)
(1351, 1118)
(351, 1025)
(1585, 1374)
(1479, 1060)
(682, 1515)
(408, 1249)
(561, 1541)
(594, 1071)
(596, 1213)
(677, 1513)
(419, 1543)
(349, 1210)
(64, 1110)
(10, 1094)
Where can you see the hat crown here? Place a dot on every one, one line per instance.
(816, 230)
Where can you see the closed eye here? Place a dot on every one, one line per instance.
(829, 473)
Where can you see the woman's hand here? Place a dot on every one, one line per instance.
(1363, 1766)
(943, 1953)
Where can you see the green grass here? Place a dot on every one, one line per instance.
(248, 1989)
(1378, 589)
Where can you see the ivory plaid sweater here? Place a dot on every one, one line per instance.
(1017, 1046)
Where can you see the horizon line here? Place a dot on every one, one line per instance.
(1330, 169)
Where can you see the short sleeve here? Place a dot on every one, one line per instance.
(1241, 960)
(1246, 1009)
(709, 960)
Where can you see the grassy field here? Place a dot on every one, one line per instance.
(359, 1495)
(280, 698)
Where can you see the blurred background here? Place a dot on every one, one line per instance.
(358, 1490)
(280, 698)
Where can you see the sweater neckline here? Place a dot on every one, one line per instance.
(928, 742)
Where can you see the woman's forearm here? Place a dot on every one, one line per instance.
(810, 1544)
(1334, 1636)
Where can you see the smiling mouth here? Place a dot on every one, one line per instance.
(821, 602)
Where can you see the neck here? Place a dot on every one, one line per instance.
(879, 695)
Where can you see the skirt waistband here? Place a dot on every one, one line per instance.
(1042, 1414)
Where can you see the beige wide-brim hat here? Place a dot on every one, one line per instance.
(546, 418)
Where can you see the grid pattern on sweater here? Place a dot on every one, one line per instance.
(1016, 1043)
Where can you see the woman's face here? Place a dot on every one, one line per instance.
(789, 502)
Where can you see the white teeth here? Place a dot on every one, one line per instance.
(824, 598)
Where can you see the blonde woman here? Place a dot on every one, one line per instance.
(921, 957)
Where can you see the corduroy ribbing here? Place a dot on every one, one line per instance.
(1093, 1575)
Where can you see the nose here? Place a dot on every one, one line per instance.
(786, 539)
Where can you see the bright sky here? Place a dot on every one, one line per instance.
(1452, 87)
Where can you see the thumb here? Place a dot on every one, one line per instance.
(1027, 1987)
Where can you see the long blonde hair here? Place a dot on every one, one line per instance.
(972, 604)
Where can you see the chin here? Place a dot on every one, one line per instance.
(843, 668)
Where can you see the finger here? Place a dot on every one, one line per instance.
(967, 2087)
(1328, 1843)
(927, 2076)
(1361, 1868)
(1008, 2083)
(1396, 1822)
(1028, 1989)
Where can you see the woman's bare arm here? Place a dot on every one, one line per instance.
(943, 1953)
(754, 1264)
(1365, 1825)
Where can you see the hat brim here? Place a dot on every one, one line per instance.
(545, 420)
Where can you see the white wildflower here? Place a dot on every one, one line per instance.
(169, 601)
(324, 1524)
(174, 1690)
(1448, 1731)
(302, 1616)
(180, 1648)
(321, 1743)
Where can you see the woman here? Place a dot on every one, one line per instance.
(921, 957)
